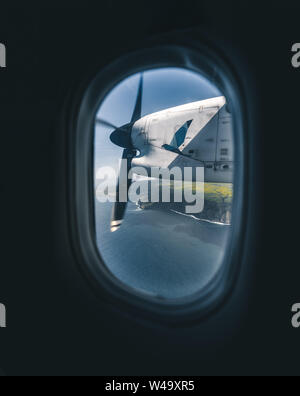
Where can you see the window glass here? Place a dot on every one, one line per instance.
(164, 230)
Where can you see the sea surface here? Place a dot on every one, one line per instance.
(161, 252)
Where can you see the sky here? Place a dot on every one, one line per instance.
(163, 88)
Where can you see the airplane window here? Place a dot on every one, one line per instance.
(163, 167)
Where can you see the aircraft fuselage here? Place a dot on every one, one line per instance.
(197, 134)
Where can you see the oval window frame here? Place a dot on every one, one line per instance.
(81, 129)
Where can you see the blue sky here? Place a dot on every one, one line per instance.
(163, 88)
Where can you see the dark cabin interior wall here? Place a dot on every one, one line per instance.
(56, 324)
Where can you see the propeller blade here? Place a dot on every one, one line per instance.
(124, 140)
(137, 112)
(109, 125)
(119, 208)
